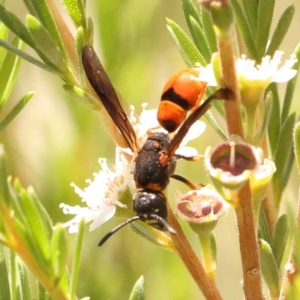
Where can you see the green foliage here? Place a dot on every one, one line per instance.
(264, 230)
(4, 284)
(248, 37)
(265, 12)
(9, 67)
(29, 232)
(289, 93)
(281, 29)
(152, 235)
(269, 268)
(274, 123)
(138, 291)
(283, 157)
(280, 239)
(188, 51)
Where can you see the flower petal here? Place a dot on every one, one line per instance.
(105, 214)
(194, 132)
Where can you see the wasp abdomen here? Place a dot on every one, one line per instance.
(182, 93)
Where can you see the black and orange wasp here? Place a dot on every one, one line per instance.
(155, 160)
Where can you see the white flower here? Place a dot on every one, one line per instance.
(253, 78)
(268, 70)
(247, 70)
(101, 196)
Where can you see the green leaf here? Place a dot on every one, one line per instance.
(192, 18)
(153, 235)
(267, 115)
(89, 34)
(45, 43)
(200, 40)
(4, 283)
(30, 8)
(15, 111)
(290, 88)
(296, 138)
(27, 57)
(281, 157)
(186, 48)
(4, 193)
(3, 36)
(34, 222)
(263, 229)
(9, 72)
(76, 259)
(24, 282)
(46, 18)
(280, 238)
(79, 45)
(138, 291)
(250, 8)
(245, 29)
(42, 292)
(294, 230)
(215, 125)
(31, 244)
(76, 10)
(42, 210)
(208, 30)
(264, 20)
(274, 123)
(13, 273)
(59, 251)
(287, 169)
(269, 268)
(190, 10)
(281, 30)
(15, 25)
(82, 96)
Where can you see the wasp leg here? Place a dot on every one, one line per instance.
(190, 158)
(186, 181)
(108, 235)
(163, 222)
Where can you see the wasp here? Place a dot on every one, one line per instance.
(155, 160)
(183, 92)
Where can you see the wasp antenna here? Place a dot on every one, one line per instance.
(108, 235)
(163, 222)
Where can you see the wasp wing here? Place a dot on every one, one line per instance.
(225, 94)
(107, 94)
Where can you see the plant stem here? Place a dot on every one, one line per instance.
(205, 283)
(248, 245)
(207, 255)
(244, 212)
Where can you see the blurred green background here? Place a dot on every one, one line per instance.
(57, 140)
